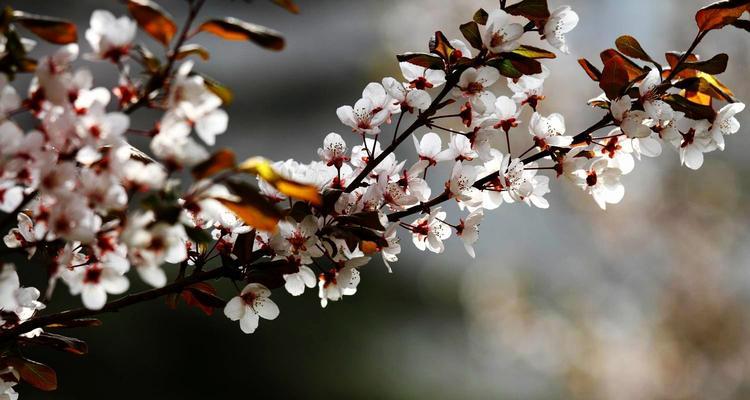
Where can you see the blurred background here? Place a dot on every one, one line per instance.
(646, 301)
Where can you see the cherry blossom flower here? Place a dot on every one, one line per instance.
(252, 304)
(430, 231)
(393, 249)
(602, 181)
(408, 100)
(634, 123)
(549, 131)
(190, 100)
(694, 139)
(152, 243)
(94, 281)
(9, 98)
(11, 196)
(364, 118)
(459, 149)
(110, 37)
(422, 78)
(562, 21)
(500, 34)
(295, 282)
(21, 301)
(6, 388)
(298, 239)
(468, 231)
(618, 149)
(429, 147)
(474, 85)
(333, 152)
(520, 182)
(507, 113)
(725, 123)
(334, 284)
(529, 89)
(461, 181)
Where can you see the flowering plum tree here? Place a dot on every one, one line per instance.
(80, 201)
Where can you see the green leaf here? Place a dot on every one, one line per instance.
(531, 9)
(480, 17)
(198, 235)
(514, 66)
(470, 30)
(218, 89)
(230, 28)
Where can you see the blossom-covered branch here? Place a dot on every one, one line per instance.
(90, 207)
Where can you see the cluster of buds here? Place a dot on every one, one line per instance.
(98, 208)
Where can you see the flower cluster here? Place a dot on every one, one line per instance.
(99, 208)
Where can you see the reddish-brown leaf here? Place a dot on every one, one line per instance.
(425, 60)
(230, 28)
(35, 374)
(251, 207)
(60, 342)
(692, 110)
(53, 30)
(75, 323)
(629, 46)
(614, 78)
(153, 19)
(288, 5)
(716, 65)
(633, 70)
(590, 70)
(720, 14)
(222, 160)
(203, 296)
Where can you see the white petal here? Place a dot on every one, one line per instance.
(235, 308)
(265, 308)
(249, 322)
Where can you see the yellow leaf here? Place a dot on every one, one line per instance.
(262, 167)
